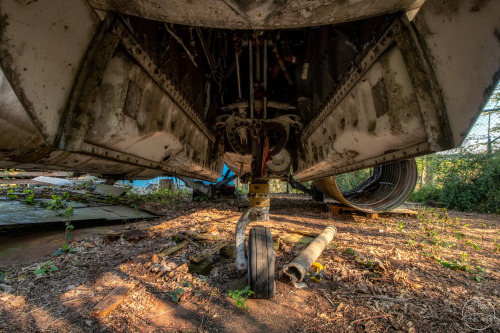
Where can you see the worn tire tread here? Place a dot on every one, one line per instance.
(261, 262)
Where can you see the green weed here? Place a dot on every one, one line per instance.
(474, 245)
(46, 267)
(65, 248)
(55, 204)
(30, 199)
(176, 294)
(11, 195)
(241, 296)
(454, 265)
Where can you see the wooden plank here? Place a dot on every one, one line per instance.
(201, 236)
(337, 209)
(21, 182)
(173, 249)
(33, 174)
(404, 211)
(208, 252)
(112, 300)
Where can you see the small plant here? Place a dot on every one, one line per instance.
(11, 195)
(175, 295)
(428, 255)
(241, 296)
(474, 245)
(111, 199)
(56, 203)
(6, 173)
(30, 199)
(69, 227)
(454, 265)
(187, 284)
(350, 252)
(401, 225)
(478, 278)
(46, 267)
(65, 248)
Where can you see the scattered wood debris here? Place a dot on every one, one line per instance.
(169, 251)
(112, 300)
(381, 275)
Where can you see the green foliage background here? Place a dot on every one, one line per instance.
(468, 178)
(465, 181)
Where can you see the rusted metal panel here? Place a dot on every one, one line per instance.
(449, 71)
(268, 14)
(41, 47)
(461, 39)
(21, 146)
(157, 124)
(354, 133)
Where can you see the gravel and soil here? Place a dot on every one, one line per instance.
(438, 271)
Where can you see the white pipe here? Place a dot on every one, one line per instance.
(297, 269)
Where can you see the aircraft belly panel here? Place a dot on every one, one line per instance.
(41, 49)
(447, 64)
(462, 41)
(231, 14)
(378, 120)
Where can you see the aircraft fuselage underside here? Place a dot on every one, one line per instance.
(126, 91)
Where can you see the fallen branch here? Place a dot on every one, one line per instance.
(304, 233)
(368, 318)
(385, 298)
(327, 298)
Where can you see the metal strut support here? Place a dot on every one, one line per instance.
(250, 65)
(181, 43)
(258, 197)
(241, 226)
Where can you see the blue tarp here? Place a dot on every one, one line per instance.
(145, 183)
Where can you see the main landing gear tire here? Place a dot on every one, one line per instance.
(261, 262)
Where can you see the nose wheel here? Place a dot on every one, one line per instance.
(261, 262)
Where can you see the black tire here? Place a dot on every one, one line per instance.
(261, 262)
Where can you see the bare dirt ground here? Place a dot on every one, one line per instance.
(430, 273)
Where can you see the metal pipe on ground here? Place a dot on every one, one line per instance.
(297, 269)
